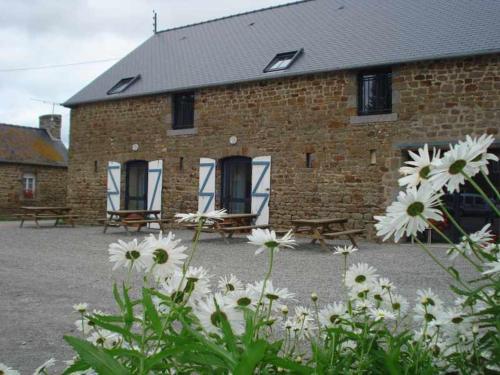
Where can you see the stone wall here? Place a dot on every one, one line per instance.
(355, 158)
(50, 187)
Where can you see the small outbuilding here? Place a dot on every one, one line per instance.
(33, 165)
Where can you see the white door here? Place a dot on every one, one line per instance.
(206, 192)
(113, 194)
(155, 184)
(261, 188)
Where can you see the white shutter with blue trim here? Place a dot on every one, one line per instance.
(155, 184)
(113, 186)
(206, 191)
(261, 188)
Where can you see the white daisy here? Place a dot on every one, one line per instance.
(418, 169)
(243, 298)
(303, 313)
(228, 284)
(378, 294)
(43, 368)
(6, 370)
(105, 339)
(398, 304)
(273, 295)
(210, 318)
(426, 313)
(360, 274)
(381, 314)
(410, 213)
(300, 327)
(195, 284)
(81, 307)
(460, 158)
(266, 239)
(332, 314)
(208, 217)
(131, 254)
(166, 256)
(481, 239)
(345, 250)
(362, 306)
(426, 297)
(361, 291)
(84, 325)
(495, 267)
(481, 145)
(385, 284)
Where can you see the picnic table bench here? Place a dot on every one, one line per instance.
(322, 229)
(231, 224)
(36, 214)
(135, 219)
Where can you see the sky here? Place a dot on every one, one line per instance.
(38, 34)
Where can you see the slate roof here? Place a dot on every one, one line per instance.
(335, 35)
(20, 144)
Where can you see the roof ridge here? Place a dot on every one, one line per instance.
(235, 15)
(21, 126)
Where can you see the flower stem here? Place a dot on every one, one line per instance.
(490, 184)
(480, 191)
(447, 239)
(438, 262)
(196, 239)
(264, 284)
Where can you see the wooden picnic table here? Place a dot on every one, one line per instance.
(133, 218)
(57, 213)
(322, 229)
(232, 223)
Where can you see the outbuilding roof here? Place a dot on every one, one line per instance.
(334, 35)
(24, 145)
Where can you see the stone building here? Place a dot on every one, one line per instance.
(301, 110)
(33, 165)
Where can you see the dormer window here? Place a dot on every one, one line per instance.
(122, 85)
(282, 61)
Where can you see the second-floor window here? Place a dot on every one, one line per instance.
(183, 110)
(374, 92)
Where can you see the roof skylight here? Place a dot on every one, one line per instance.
(122, 85)
(282, 61)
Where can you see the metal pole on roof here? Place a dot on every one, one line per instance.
(155, 19)
(47, 102)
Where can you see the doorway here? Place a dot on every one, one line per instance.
(136, 185)
(237, 184)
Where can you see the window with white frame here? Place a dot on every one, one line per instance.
(29, 185)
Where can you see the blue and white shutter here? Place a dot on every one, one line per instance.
(155, 183)
(261, 188)
(113, 186)
(206, 191)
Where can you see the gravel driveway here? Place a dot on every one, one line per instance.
(43, 272)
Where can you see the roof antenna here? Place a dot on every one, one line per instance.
(47, 102)
(155, 19)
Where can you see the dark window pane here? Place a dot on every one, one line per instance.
(282, 61)
(183, 104)
(375, 93)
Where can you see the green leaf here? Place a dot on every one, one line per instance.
(117, 296)
(96, 358)
(227, 332)
(454, 271)
(79, 365)
(251, 358)
(129, 312)
(210, 346)
(151, 312)
(290, 365)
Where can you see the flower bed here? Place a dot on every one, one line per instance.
(183, 323)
